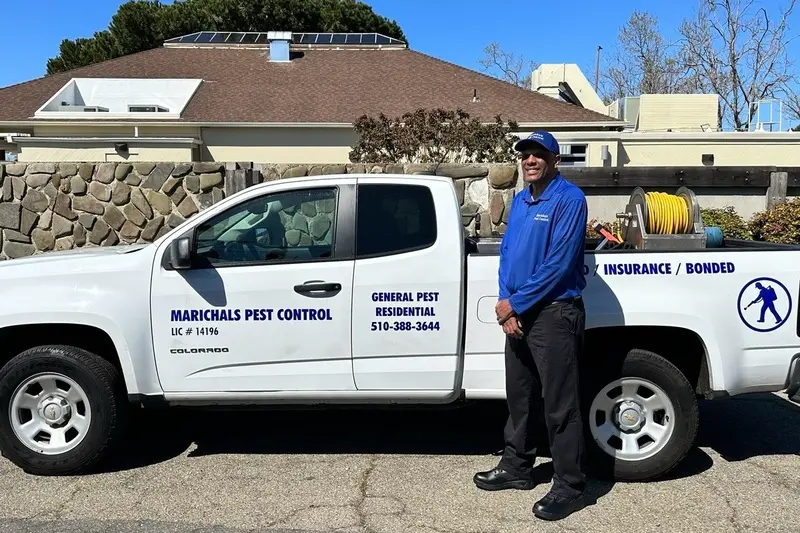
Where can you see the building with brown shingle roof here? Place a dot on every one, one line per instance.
(264, 97)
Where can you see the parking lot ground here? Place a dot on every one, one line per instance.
(399, 470)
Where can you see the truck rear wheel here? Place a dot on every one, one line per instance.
(641, 416)
(61, 408)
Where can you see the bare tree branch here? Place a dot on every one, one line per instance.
(644, 62)
(740, 53)
(507, 66)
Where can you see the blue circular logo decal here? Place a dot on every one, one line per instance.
(764, 304)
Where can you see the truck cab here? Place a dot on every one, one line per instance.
(326, 288)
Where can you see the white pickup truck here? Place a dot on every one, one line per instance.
(365, 289)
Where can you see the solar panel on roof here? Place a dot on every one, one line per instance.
(262, 38)
(204, 37)
(182, 38)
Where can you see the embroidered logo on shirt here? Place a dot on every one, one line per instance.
(542, 217)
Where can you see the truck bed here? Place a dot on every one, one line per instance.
(491, 246)
(746, 355)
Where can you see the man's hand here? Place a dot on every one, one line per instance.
(504, 311)
(513, 327)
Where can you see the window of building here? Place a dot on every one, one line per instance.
(147, 109)
(394, 219)
(573, 155)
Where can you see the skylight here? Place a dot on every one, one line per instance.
(104, 98)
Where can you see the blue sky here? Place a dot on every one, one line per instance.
(456, 31)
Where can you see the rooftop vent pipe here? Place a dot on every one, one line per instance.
(279, 45)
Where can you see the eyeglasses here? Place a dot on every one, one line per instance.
(538, 154)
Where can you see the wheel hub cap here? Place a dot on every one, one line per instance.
(630, 416)
(632, 419)
(50, 413)
(55, 410)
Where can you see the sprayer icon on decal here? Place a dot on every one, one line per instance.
(767, 297)
(775, 304)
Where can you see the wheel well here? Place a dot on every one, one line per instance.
(16, 339)
(681, 347)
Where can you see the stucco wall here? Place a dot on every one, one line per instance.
(101, 152)
(278, 145)
(288, 145)
(743, 149)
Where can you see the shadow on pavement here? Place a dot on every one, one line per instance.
(159, 435)
(736, 428)
(750, 425)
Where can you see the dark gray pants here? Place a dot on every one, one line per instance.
(542, 374)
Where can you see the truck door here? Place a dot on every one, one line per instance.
(266, 303)
(408, 286)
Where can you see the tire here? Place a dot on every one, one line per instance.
(665, 435)
(85, 394)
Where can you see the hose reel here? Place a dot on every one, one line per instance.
(662, 221)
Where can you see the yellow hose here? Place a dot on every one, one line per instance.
(666, 213)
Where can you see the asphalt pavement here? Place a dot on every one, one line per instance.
(399, 470)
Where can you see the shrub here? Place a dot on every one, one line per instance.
(781, 224)
(432, 136)
(733, 226)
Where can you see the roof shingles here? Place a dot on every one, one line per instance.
(322, 86)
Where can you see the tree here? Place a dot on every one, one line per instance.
(140, 25)
(643, 62)
(432, 136)
(507, 66)
(793, 104)
(739, 51)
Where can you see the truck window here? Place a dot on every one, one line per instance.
(286, 226)
(394, 219)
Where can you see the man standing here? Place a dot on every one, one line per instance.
(541, 311)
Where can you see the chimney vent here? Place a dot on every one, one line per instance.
(279, 42)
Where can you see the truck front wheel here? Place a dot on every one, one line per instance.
(61, 408)
(641, 416)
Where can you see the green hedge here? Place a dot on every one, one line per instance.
(732, 224)
(779, 224)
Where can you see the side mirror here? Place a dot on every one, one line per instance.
(180, 256)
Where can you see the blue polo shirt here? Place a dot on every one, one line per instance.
(541, 254)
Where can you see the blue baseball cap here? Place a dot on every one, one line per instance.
(540, 138)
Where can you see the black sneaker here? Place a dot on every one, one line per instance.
(499, 479)
(555, 507)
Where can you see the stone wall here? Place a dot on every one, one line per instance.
(59, 206)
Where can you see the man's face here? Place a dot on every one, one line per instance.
(537, 163)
